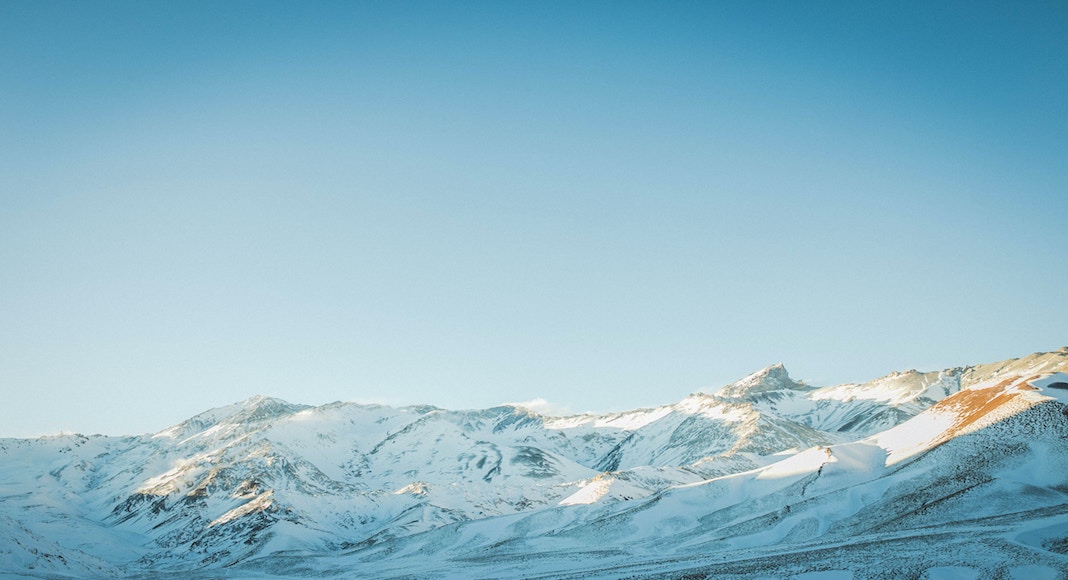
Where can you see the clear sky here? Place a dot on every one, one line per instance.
(604, 205)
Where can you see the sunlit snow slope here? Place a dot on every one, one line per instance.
(963, 471)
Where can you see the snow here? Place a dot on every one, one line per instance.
(1044, 382)
(772, 479)
(1039, 532)
(808, 461)
(590, 492)
(914, 436)
(713, 409)
(624, 421)
(951, 573)
(824, 575)
(894, 389)
(258, 503)
(1034, 572)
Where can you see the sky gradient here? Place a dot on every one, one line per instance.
(604, 205)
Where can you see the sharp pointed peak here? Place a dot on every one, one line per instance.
(773, 377)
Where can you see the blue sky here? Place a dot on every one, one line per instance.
(605, 205)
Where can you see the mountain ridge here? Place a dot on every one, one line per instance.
(250, 486)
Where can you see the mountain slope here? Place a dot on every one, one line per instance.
(984, 475)
(765, 464)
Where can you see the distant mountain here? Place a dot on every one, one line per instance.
(963, 470)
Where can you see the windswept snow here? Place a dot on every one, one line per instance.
(914, 436)
(955, 473)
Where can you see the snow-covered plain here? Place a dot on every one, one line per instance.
(956, 473)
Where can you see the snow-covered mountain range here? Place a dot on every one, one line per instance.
(956, 472)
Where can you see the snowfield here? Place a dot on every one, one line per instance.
(959, 473)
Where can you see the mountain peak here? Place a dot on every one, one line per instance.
(252, 410)
(261, 407)
(265, 487)
(771, 378)
(257, 400)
